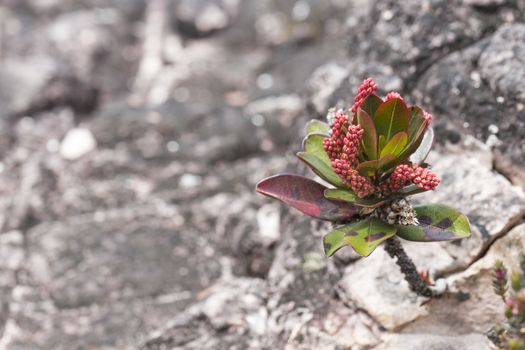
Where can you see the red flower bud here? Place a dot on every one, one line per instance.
(367, 87)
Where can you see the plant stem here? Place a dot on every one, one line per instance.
(394, 248)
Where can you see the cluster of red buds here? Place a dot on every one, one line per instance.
(404, 174)
(368, 86)
(371, 158)
(344, 148)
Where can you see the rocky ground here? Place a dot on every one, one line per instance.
(133, 133)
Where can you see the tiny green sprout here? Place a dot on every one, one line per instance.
(511, 334)
(373, 158)
(499, 279)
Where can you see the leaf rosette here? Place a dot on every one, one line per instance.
(370, 157)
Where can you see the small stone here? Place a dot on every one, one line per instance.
(190, 180)
(77, 143)
(268, 220)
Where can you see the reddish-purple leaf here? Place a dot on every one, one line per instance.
(306, 196)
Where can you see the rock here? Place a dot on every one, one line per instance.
(55, 258)
(376, 285)
(37, 324)
(342, 96)
(411, 35)
(203, 17)
(435, 342)
(153, 235)
(485, 3)
(22, 83)
(459, 312)
(268, 220)
(468, 183)
(206, 325)
(293, 308)
(385, 293)
(77, 143)
(323, 83)
(502, 63)
(465, 101)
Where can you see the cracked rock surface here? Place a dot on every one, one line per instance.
(133, 133)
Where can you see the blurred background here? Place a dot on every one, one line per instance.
(133, 132)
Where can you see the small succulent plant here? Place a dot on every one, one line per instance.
(511, 335)
(371, 157)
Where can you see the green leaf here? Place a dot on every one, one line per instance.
(372, 167)
(313, 144)
(364, 236)
(437, 222)
(370, 136)
(349, 196)
(423, 150)
(396, 145)
(391, 117)
(382, 141)
(409, 191)
(370, 104)
(321, 168)
(317, 126)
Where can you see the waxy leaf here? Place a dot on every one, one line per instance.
(371, 104)
(396, 145)
(372, 167)
(306, 196)
(317, 126)
(349, 196)
(416, 130)
(369, 140)
(382, 141)
(409, 191)
(391, 117)
(364, 236)
(321, 168)
(313, 144)
(423, 150)
(437, 222)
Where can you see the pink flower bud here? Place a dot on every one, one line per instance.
(393, 94)
(367, 87)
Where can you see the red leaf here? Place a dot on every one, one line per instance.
(305, 195)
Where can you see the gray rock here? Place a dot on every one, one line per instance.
(485, 3)
(155, 238)
(411, 35)
(464, 102)
(123, 259)
(207, 325)
(469, 184)
(202, 17)
(460, 311)
(435, 342)
(323, 83)
(376, 285)
(502, 63)
(22, 83)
